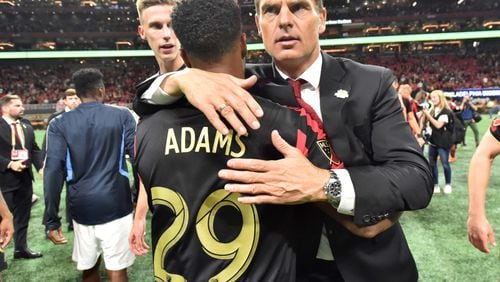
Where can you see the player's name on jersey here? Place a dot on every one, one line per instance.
(188, 139)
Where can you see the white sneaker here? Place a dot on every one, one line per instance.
(447, 189)
(437, 190)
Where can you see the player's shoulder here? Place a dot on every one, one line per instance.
(147, 81)
(181, 109)
(267, 105)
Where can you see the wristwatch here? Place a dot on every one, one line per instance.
(333, 189)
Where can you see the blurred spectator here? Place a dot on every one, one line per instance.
(468, 108)
(493, 107)
(439, 118)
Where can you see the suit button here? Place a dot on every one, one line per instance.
(366, 218)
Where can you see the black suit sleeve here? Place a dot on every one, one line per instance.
(4, 162)
(398, 177)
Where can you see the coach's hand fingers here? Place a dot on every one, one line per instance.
(214, 93)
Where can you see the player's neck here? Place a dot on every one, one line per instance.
(170, 66)
(231, 64)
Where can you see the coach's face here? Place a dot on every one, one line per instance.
(156, 28)
(290, 31)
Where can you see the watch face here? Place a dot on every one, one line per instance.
(335, 188)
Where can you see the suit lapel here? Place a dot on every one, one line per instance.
(26, 133)
(332, 88)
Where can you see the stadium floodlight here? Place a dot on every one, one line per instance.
(442, 36)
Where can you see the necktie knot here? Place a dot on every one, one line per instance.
(296, 86)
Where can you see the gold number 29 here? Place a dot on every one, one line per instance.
(240, 250)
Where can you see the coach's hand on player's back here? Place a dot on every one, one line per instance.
(223, 95)
(291, 180)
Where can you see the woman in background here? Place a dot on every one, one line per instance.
(440, 141)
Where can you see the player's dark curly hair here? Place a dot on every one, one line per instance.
(87, 80)
(207, 29)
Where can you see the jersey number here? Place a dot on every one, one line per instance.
(240, 250)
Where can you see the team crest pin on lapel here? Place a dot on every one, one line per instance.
(341, 94)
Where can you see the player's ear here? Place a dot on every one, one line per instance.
(243, 44)
(185, 57)
(140, 30)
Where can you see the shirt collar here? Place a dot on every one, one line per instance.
(9, 120)
(312, 74)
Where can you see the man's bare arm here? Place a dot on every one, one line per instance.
(479, 230)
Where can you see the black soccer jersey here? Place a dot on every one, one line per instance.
(200, 232)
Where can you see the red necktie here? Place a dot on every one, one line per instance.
(16, 133)
(297, 88)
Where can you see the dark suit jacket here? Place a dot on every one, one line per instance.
(368, 133)
(9, 179)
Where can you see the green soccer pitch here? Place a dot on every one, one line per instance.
(437, 236)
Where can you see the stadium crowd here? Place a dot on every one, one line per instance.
(444, 71)
(45, 83)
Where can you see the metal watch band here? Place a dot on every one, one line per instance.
(333, 189)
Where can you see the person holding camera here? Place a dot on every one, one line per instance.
(468, 110)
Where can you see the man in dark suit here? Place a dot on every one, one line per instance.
(71, 101)
(18, 151)
(385, 171)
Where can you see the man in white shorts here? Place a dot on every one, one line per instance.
(88, 146)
